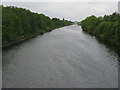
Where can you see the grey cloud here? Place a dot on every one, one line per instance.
(69, 10)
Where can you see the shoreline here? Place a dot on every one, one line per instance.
(22, 40)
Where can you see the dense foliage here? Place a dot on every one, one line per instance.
(0, 26)
(106, 28)
(19, 24)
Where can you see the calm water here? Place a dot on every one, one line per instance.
(65, 57)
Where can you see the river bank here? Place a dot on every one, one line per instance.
(109, 45)
(105, 29)
(19, 24)
(25, 39)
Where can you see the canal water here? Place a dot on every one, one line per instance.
(63, 58)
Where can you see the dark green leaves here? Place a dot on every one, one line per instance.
(20, 24)
(105, 28)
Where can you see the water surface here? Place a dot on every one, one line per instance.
(63, 58)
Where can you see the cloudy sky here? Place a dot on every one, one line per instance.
(75, 11)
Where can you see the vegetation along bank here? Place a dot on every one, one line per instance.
(19, 24)
(105, 28)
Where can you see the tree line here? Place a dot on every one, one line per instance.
(106, 28)
(19, 24)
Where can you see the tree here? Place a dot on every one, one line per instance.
(106, 28)
(20, 24)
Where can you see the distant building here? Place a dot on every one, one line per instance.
(75, 22)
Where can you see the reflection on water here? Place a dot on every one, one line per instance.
(65, 57)
(0, 68)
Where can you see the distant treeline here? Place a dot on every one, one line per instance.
(106, 28)
(19, 24)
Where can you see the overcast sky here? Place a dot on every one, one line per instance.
(75, 11)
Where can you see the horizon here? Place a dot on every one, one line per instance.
(75, 11)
